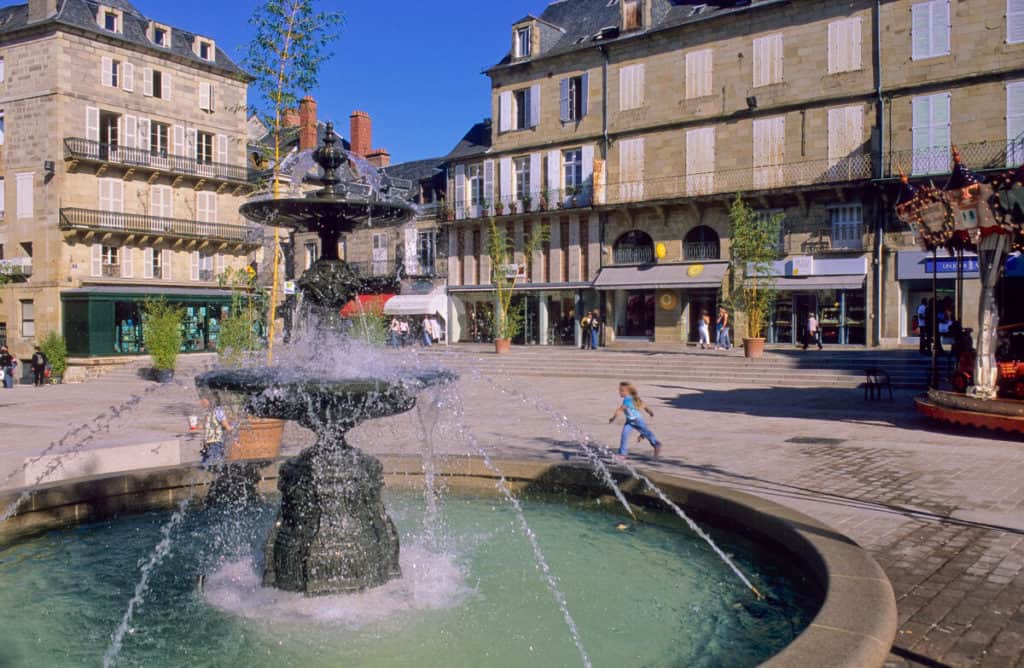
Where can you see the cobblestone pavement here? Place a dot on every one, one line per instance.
(941, 510)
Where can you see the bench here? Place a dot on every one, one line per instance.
(876, 381)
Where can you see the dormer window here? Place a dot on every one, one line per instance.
(159, 34)
(110, 19)
(632, 14)
(205, 49)
(522, 42)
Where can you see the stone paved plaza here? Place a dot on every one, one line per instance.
(941, 510)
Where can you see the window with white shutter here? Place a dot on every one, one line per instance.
(460, 192)
(111, 194)
(144, 138)
(631, 169)
(489, 184)
(149, 260)
(534, 118)
(25, 192)
(847, 227)
(505, 180)
(179, 140)
(572, 97)
(165, 264)
(162, 201)
(505, 111)
(206, 207)
(128, 78)
(768, 60)
(698, 73)
(205, 96)
(222, 149)
(127, 262)
(96, 260)
(147, 81)
(131, 131)
(195, 266)
(107, 71)
(844, 45)
(165, 85)
(1015, 123)
(769, 151)
(845, 132)
(631, 87)
(92, 124)
(929, 29)
(931, 134)
(1014, 21)
(700, 161)
(535, 179)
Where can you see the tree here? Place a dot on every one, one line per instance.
(292, 41)
(505, 274)
(754, 249)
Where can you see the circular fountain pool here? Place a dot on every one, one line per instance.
(652, 595)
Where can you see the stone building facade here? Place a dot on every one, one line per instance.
(124, 164)
(627, 128)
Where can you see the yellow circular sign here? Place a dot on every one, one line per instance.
(660, 251)
(695, 270)
(668, 301)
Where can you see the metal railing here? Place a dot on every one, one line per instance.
(206, 275)
(132, 223)
(996, 154)
(509, 205)
(439, 269)
(702, 250)
(633, 255)
(111, 271)
(16, 266)
(77, 148)
(834, 238)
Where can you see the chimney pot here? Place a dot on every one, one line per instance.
(360, 133)
(39, 10)
(307, 123)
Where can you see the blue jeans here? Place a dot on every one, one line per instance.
(723, 338)
(593, 338)
(627, 431)
(8, 377)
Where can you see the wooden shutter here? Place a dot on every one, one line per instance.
(195, 265)
(147, 263)
(179, 140)
(563, 100)
(845, 132)
(1015, 123)
(761, 66)
(535, 180)
(844, 45)
(505, 111)
(698, 73)
(700, 160)
(222, 149)
(92, 123)
(554, 176)
(144, 128)
(96, 260)
(128, 77)
(587, 175)
(626, 88)
(127, 262)
(205, 95)
(166, 260)
(489, 181)
(534, 106)
(218, 264)
(147, 81)
(505, 179)
(106, 71)
(631, 168)
(769, 151)
(461, 201)
(131, 131)
(1014, 21)
(117, 195)
(165, 85)
(931, 133)
(940, 27)
(25, 195)
(3, 197)
(920, 30)
(854, 44)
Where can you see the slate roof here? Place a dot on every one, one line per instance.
(415, 170)
(81, 14)
(475, 142)
(587, 23)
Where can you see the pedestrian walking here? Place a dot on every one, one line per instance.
(425, 336)
(704, 330)
(39, 363)
(585, 330)
(813, 331)
(7, 364)
(923, 327)
(722, 340)
(394, 331)
(595, 329)
(215, 426)
(631, 408)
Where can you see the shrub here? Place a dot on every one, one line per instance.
(55, 348)
(161, 332)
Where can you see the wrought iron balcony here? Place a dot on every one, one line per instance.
(16, 267)
(88, 150)
(439, 268)
(999, 154)
(633, 255)
(702, 250)
(510, 205)
(838, 238)
(111, 271)
(89, 220)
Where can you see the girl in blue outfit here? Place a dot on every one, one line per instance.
(631, 407)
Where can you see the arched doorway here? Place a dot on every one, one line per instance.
(633, 247)
(702, 243)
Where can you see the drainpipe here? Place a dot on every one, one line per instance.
(881, 210)
(604, 107)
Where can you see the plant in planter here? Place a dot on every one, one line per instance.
(512, 206)
(499, 207)
(754, 241)
(55, 348)
(162, 336)
(527, 201)
(506, 321)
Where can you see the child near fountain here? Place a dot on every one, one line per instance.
(215, 426)
(631, 406)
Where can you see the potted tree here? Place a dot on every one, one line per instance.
(754, 241)
(161, 334)
(499, 207)
(55, 348)
(570, 194)
(527, 201)
(504, 275)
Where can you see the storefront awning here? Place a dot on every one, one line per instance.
(433, 304)
(142, 292)
(662, 276)
(813, 283)
(365, 304)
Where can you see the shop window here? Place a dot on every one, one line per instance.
(633, 247)
(701, 243)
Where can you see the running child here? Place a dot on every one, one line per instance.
(631, 408)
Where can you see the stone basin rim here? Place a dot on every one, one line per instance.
(854, 627)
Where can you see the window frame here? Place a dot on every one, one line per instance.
(27, 332)
(575, 164)
(931, 52)
(206, 146)
(475, 183)
(523, 48)
(845, 28)
(521, 177)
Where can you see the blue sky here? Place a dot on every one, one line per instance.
(415, 66)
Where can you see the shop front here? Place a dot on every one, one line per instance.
(550, 317)
(914, 273)
(832, 289)
(106, 321)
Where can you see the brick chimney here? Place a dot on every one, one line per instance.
(307, 123)
(290, 118)
(360, 134)
(39, 10)
(379, 157)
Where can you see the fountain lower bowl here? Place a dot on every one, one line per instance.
(840, 634)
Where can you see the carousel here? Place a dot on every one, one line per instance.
(984, 215)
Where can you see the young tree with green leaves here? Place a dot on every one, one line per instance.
(292, 40)
(504, 275)
(754, 249)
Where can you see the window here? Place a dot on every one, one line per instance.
(844, 45)
(111, 195)
(522, 40)
(632, 14)
(204, 147)
(475, 175)
(24, 194)
(153, 266)
(845, 132)
(1014, 21)
(572, 169)
(203, 264)
(522, 111)
(159, 136)
(156, 83)
(700, 161)
(768, 60)
(929, 29)
(312, 253)
(522, 177)
(2, 71)
(204, 48)
(519, 109)
(701, 243)
(110, 262)
(111, 21)
(631, 168)
(206, 96)
(109, 131)
(162, 201)
(28, 318)
(1014, 123)
(769, 151)
(573, 94)
(115, 73)
(698, 73)
(206, 207)
(2, 128)
(379, 256)
(931, 134)
(631, 87)
(633, 247)
(426, 250)
(847, 227)
(160, 35)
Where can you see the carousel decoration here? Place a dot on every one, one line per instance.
(970, 213)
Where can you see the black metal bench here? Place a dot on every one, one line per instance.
(876, 381)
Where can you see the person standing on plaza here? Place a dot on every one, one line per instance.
(595, 329)
(39, 363)
(7, 364)
(631, 408)
(704, 330)
(425, 335)
(923, 330)
(813, 331)
(722, 340)
(585, 331)
(394, 331)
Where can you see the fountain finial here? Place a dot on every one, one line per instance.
(330, 158)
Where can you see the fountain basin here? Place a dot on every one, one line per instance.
(853, 626)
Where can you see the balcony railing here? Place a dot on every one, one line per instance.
(111, 271)
(702, 250)
(633, 255)
(834, 238)
(206, 275)
(550, 200)
(976, 156)
(131, 223)
(16, 267)
(77, 148)
(439, 269)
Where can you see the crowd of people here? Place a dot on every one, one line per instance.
(403, 331)
(39, 364)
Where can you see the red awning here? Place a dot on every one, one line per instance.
(365, 304)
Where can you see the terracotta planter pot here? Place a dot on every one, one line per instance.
(258, 438)
(753, 347)
(502, 346)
